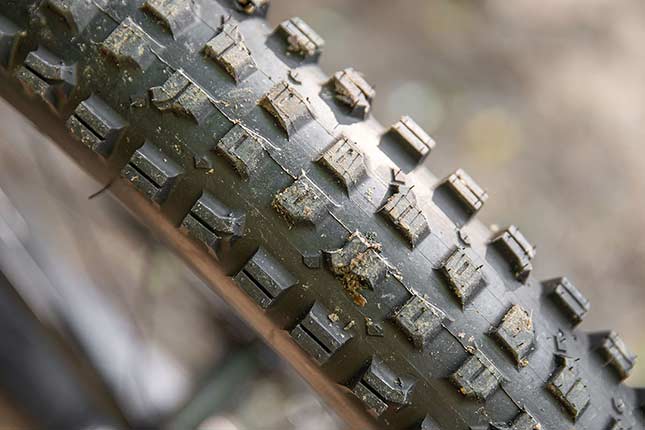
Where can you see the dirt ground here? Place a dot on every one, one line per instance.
(542, 102)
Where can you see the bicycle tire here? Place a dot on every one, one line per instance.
(316, 223)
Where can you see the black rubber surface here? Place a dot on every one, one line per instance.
(377, 269)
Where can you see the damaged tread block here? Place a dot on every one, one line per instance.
(242, 149)
(359, 260)
(151, 172)
(614, 350)
(380, 389)
(568, 298)
(477, 377)
(288, 107)
(318, 335)
(76, 14)
(129, 44)
(420, 321)
(301, 202)
(182, 96)
(567, 386)
(465, 278)
(214, 224)
(175, 15)
(413, 138)
(516, 333)
(516, 250)
(346, 161)
(264, 279)
(97, 125)
(402, 210)
(46, 76)
(301, 38)
(230, 51)
(353, 90)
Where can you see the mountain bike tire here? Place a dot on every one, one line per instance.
(315, 222)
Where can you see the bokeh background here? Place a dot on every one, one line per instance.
(542, 102)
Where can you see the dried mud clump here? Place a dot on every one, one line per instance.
(358, 265)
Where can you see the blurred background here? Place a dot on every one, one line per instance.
(543, 103)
